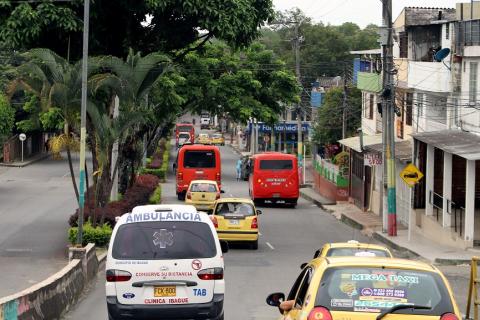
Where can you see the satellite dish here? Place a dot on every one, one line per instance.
(441, 55)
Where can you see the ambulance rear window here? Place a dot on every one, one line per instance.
(363, 289)
(164, 241)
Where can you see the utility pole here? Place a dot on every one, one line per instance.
(345, 93)
(388, 117)
(83, 121)
(296, 45)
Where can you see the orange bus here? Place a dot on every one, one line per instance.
(274, 178)
(197, 162)
(184, 128)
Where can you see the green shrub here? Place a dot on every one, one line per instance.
(156, 197)
(99, 235)
(160, 173)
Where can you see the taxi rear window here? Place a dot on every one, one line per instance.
(164, 241)
(347, 252)
(376, 290)
(203, 187)
(276, 164)
(234, 209)
(199, 159)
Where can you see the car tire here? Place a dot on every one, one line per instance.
(254, 245)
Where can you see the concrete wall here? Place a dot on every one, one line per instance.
(50, 298)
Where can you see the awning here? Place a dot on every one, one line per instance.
(403, 150)
(354, 142)
(460, 143)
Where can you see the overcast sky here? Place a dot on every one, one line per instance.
(362, 12)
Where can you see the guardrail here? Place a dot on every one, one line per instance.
(436, 200)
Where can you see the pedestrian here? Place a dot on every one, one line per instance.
(239, 169)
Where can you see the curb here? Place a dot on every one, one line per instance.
(25, 163)
(352, 223)
(378, 236)
(234, 149)
(308, 198)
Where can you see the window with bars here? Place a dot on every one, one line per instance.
(370, 107)
(403, 45)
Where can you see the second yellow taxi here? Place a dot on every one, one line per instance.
(218, 139)
(352, 248)
(202, 194)
(366, 288)
(204, 138)
(236, 220)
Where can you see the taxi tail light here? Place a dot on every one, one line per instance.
(189, 195)
(217, 196)
(254, 224)
(215, 221)
(118, 276)
(449, 316)
(211, 274)
(320, 313)
(219, 177)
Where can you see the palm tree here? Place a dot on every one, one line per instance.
(56, 83)
(131, 81)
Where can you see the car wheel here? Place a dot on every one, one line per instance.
(254, 245)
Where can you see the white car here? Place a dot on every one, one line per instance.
(165, 261)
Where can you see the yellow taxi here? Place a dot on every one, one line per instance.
(352, 248)
(367, 288)
(204, 138)
(236, 220)
(202, 194)
(218, 139)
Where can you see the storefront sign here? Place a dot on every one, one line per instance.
(373, 159)
(280, 127)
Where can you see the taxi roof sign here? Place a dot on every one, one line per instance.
(411, 175)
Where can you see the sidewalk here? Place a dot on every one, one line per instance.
(371, 225)
(19, 164)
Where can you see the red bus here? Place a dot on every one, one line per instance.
(184, 128)
(197, 162)
(274, 178)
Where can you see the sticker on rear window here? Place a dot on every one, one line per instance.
(392, 278)
(381, 292)
(163, 238)
(342, 303)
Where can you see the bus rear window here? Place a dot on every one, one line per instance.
(199, 159)
(184, 128)
(276, 164)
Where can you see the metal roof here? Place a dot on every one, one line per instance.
(460, 143)
(372, 51)
(354, 142)
(403, 150)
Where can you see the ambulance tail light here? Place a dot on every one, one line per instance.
(448, 316)
(215, 221)
(254, 224)
(118, 276)
(320, 313)
(211, 274)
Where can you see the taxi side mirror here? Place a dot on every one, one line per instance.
(259, 212)
(224, 246)
(222, 191)
(275, 299)
(303, 265)
(317, 254)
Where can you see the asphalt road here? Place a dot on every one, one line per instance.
(36, 202)
(289, 237)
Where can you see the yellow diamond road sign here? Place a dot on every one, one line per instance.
(411, 175)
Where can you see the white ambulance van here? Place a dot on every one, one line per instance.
(165, 262)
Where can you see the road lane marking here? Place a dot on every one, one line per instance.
(270, 246)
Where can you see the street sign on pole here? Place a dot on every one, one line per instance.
(411, 175)
(22, 138)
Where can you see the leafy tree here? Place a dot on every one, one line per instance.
(175, 24)
(240, 84)
(7, 116)
(328, 125)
